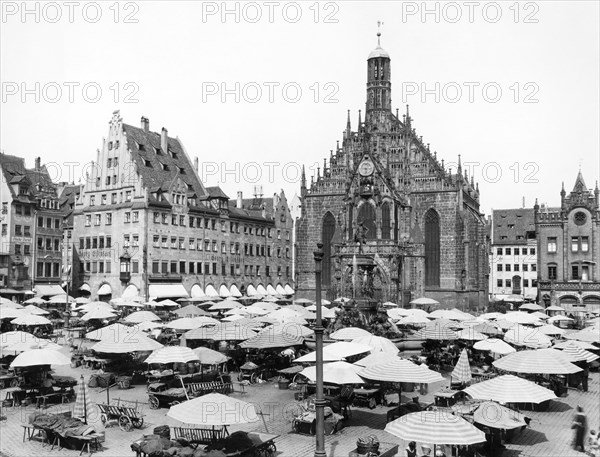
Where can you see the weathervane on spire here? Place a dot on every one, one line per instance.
(379, 24)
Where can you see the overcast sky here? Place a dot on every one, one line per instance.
(513, 88)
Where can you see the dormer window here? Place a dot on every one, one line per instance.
(140, 146)
(181, 170)
(157, 150)
(110, 145)
(173, 154)
(165, 167)
(147, 163)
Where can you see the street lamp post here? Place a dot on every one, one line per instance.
(320, 401)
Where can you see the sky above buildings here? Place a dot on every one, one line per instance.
(256, 90)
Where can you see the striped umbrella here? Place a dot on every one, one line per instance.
(493, 415)
(578, 354)
(520, 335)
(562, 344)
(438, 427)
(413, 319)
(336, 351)
(462, 370)
(35, 357)
(224, 331)
(509, 389)
(586, 335)
(377, 358)
(110, 331)
(184, 323)
(172, 354)
(290, 328)
(83, 403)
(401, 370)
(539, 361)
(267, 339)
(349, 333)
(435, 331)
(488, 328)
(214, 410)
(377, 343)
(494, 345)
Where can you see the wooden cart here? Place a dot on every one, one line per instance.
(159, 394)
(127, 417)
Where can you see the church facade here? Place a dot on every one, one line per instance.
(395, 223)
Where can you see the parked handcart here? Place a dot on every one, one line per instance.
(160, 394)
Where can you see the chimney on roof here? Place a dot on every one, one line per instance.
(238, 203)
(38, 163)
(164, 141)
(145, 124)
(196, 164)
(523, 202)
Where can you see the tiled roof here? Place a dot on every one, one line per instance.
(508, 224)
(160, 169)
(216, 192)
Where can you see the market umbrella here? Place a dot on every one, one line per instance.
(520, 335)
(401, 370)
(94, 306)
(335, 373)
(303, 301)
(488, 328)
(377, 343)
(184, 323)
(451, 314)
(578, 354)
(491, 316)
(83, 403)
(256, 310)
(149, 325)
(82, 300)
(398, 313)
(326, 313)
(267, 339)
(559, 318)
(462, 370)
(240, 310)
(141, 316)
(43, 356)
(6, 303)
(541, 316)
(509, 389)
(580, 344)
(336, 351)
(9, 338)
(61, 298)
(224, 331)
(32, 309)
(494, 345)
(551, 330)
(22, 346)
(30, 319)
(492, 414)
(12, 313)
(35, 301)
(208, 356)
(190, 311)
(349, 333)
(172, 354)
(98, 314)
(227, 304)
(470, 334)
(124, 342)
(520, 317)
(434, 331)
(266, 306)
(214, 410)
(531, 307)
(438, 427)
(504, 324)
(539, 361)
(586, 335)
(110, 331)
(424, 301)
(376, 358)
(413, 319)
(290, 328)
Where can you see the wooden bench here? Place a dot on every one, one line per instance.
(126, 416)
(198, 436)
(31, 431)
(201, 388)
(41, 400)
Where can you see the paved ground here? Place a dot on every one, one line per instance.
(549, 433)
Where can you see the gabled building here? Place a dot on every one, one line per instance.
(146, 225)
(31, 236)
(396, 224)
(568, 241)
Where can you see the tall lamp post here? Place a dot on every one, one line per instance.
(320, 401)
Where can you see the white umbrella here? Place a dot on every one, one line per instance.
(492, 316)
(208, 356)
(35, 357)
(142, 316)
(6, 303)
(214, 410)
(131, 341)
(401, 370)
(184, 323)
(336, 351)
(12, 313)
(552, 330)
(589, 336)
(377, 343)
(519, 317)
(470, 334)
(98, 314)
(349, 333)
(527, 336)
(30, 319)
(398, 313)
(494, 345)
(335, 373)
(110, 331)
(424, 301)
(559, 318)
(451, 314)
(539, 361)
(172, 354)
(14, 337)
(32, 309)
(509, 389)
(22, 346)
(376, 358)
(413, 319)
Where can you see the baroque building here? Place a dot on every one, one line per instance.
(395, 223)
(144, 224)
(568, 241)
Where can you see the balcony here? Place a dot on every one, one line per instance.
(372, 247)
(569, 285)
(124, 276)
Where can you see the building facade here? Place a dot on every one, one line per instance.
(569, 249)
(146, 225)
(395, 223)
(31, 236)
(513, 259)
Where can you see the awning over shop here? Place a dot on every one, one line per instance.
(288, 290)
(251, 290)
(105, 289)
(279, 289)
(261, 290)
(85, 288)
(235, 292)
(224, 291)
(49, 290)
(197, 291)
(131, 291)
(167, 291)
(271, 290)
(211, 291)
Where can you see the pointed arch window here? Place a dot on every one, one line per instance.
(366, 215)
(385, 221)
(327, 239)
(432, 248)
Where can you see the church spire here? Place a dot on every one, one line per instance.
(303, 182)
(379, 86)
(348, 124)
